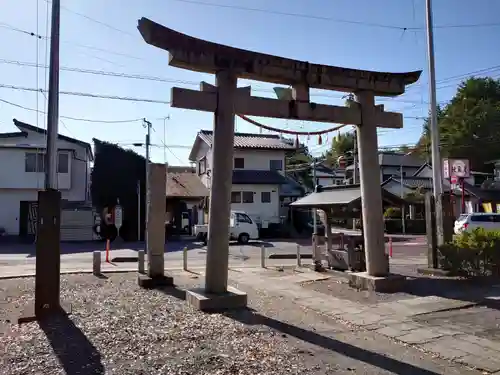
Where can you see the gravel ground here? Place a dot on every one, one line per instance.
(117, 328)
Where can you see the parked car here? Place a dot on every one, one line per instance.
(241, 228)
(468, 222)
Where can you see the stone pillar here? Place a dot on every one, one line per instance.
(156, 230)
(220, 192)
(371, 194)
(156, 220)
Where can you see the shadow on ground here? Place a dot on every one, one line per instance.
(251, 317)
(473, 291)
(75, 352)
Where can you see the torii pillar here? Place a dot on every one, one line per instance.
(371, 199)
(217, 295)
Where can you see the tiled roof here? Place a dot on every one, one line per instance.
(415, 182)
(183, 182)
(339, 195)
(291, 188)
(396, 158)
(23, 127)
(249, 176)
(254, 141)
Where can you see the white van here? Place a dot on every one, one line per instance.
(468, 222)
(241, 228)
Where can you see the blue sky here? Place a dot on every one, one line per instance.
(102, 35)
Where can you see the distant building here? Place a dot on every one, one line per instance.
(22, 167)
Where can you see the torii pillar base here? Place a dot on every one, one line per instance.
(202, 300)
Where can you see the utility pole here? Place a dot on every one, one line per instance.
(148, 126)
(314, 213)
(437, 178)
(355, 159)
(48, 250)
(53, 100)
(355, 171)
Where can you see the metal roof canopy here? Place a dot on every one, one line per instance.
(340, 196)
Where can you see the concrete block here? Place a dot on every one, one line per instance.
(385, 284)
(148, 282)
(489, 364)
(141, 261)
(419, 336)
(96, 263)
(201, 300)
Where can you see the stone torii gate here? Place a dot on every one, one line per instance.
(225, 100)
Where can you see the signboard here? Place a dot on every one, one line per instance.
(456, 168)
(446, 168)
(118, 217)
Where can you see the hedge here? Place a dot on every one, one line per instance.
(474, 253)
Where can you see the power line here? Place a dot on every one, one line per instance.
(44, 37)
(95, 21)
(88, 94)
(73, 118)
(335, 20)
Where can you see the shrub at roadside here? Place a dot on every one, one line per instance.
(474, 253)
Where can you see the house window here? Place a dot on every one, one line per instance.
(239, 163)
(62, 163)
(34, 162)
(202, 166)
(265, 197)
(276, 165)
(248, 197)
(236, 197)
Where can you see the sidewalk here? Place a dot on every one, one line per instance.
(427, 322)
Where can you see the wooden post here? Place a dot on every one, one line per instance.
(48, 259)
(430, 226)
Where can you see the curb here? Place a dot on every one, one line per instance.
(289, 256)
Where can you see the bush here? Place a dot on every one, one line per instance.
(475, 253)
(392, 212)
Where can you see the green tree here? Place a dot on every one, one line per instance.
(298, 164)
(469, 124)
(115, 175)
(342, 145)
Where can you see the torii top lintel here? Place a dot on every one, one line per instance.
(199, 55)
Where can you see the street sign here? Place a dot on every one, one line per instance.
(454, 180)
(456, 168)
(118, 216)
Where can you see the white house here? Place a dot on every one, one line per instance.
(392, 164)
(258, 168)
(326, 176)
(22, 173)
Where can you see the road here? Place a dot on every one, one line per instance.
(20, 259)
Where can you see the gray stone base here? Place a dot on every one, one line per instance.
(147, 282)
(434, 271)
(201, 300)
(385, 284)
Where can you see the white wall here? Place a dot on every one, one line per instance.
(16, 185)
(73, 185)
(14, 176)
(259, 159)
(257, 210)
